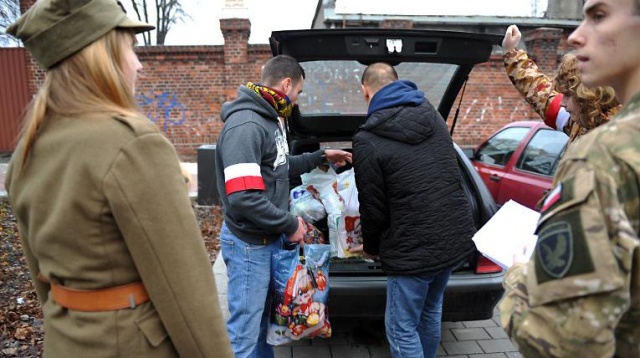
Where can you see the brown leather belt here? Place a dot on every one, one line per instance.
(106, 299)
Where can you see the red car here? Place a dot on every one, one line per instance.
(519, 160)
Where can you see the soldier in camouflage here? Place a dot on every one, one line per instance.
(579, 294)
(563, 102)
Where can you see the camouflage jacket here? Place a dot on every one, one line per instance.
(579, 295)
(537, 90)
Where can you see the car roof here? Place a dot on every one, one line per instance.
(526, 123)
(462, 50)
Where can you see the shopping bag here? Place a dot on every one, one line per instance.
(313, 235)
(300, 291)
(302, 203)
(349, 230)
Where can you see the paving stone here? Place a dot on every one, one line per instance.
(447, 336)
(336, 339)
(440, 351)
(514, 355)
(469, 334)
(489, 355)
(496, 332)
(480, 324)
(311, 351)
(380, 351)
(349, 352)
(497, 345)
(449, 325)
(466, 347)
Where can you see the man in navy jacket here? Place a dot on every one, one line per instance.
(414, 212)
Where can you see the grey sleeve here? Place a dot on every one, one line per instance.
(242, 145)
(304, 163)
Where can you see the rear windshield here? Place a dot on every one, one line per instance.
(333, 87)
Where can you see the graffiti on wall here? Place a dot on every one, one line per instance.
(160, 106)
(492, 109)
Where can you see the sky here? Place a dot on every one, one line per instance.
(203, 28)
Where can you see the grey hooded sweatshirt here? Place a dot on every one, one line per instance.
(253, 167)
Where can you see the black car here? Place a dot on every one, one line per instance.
(332, 107)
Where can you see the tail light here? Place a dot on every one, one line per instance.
(484, 265)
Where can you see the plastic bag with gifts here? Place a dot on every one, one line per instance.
(301, 288)
(302, 203)
(313, 235)
(349, 232)
(322, 183)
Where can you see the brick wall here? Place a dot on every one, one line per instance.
(182, 88)
(490, 101)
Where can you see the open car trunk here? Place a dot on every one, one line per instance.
(330, 110)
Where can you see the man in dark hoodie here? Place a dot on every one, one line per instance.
(414, 212)
(253, 167)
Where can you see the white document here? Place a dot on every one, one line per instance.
(508, 234)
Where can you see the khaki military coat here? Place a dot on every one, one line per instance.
(102, 203)
(579, 294)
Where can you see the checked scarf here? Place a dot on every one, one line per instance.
(278, 100)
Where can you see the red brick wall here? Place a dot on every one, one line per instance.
(182, 88)
(490, 101)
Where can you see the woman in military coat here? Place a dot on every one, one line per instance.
(103, 211)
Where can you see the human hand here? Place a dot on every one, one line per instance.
(338, 157)
(522, 256)
(298, 236)
(360, 250)
(511, 38)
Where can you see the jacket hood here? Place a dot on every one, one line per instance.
(248, 100)
(396, 93)
(400, 112)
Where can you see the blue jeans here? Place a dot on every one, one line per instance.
(414, 313)
(249, 274)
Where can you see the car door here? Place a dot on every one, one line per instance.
(493, 158)
(532, 175)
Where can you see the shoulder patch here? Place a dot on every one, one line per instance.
(562, 249)
(555, 249)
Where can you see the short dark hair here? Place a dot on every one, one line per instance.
(279, 68)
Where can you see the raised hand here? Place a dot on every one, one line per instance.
(511, 38)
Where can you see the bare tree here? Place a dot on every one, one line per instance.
(9, 12)
(167, 13)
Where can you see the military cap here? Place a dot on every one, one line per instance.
(53, 30)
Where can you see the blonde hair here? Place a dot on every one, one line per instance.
(596, 104)
(90, 81)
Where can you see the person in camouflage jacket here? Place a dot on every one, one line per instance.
(564, 102)
(579, 293)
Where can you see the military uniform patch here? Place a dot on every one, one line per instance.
(552, 198)
(555, 249)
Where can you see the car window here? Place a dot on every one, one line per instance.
(333, 87)
(542, 154)
(499, 148)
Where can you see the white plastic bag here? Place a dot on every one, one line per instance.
(302, 203)
(349, 230)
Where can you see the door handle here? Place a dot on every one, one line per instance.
(494, 178)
